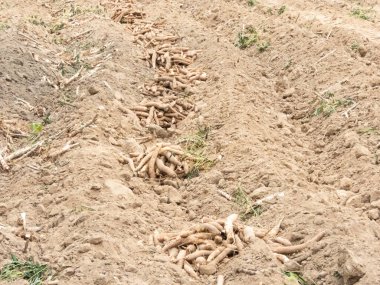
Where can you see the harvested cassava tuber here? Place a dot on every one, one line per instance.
(181, 258)
(197, 254)
(299, 247)
(200, 261)
(165, 169)
(163, 159)
(228, 226)
(248, 234)
(282, 241)
(164, 115)
(189, 269)
(275, 230)
(173, 253)
(204, 245)
(153, 161)
(220, 280)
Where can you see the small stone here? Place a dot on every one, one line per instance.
(192, 215)
(222, 183)
(130, 268)
(117, 187)
(289, 93)
(132, 146)
(214, 176)
(113, 141)
(174, 196)
(208, 269)
(349, 267)
(350, 139)
(83, 248)
(373, 214)
(106, 164)
(362, 51)
(3, 209)
(374, 196)
(343, 195)
(100, 281)
(346, 183)
(355, 201)
(92, 90)
(292, 265)
(296, 236)
(95, 240)
(259, 192)
(159, 189)
(361, 150)
(318, 221)
(96, 187)
(322, 274)
(41, 209)
(69, 271)
(119, 96)
(376, 204)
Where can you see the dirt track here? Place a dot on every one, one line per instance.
(301, 117)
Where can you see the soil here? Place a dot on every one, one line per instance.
(298, 116)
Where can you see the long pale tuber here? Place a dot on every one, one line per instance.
(144, 161)
(274, 231)
(220, 280)
(282, 241)
(229, 227)
(181, 258)
(214, 254)
(198, 253)
(172, 158)
(151, 116)
(173, 253)
(299, 247)
(206, 227)
(238, 243)
(163, 168)
(190, 270)
(152, 163)
(228, 250)
(249, 234)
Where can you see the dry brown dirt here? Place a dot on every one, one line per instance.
(269, 132)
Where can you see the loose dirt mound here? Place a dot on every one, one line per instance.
(284, 131)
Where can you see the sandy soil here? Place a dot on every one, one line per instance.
(297, 113)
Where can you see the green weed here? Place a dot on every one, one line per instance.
(252, 3)
(288, 64)
(4, 26)
(355, 46)
(361, 13)
(37, 128)
(195, 146)
(295, 276)
(250, 37)
(261, 47)
(76, 10)
(248, 208)
(46, 120)
(37, 21)
(56, 28)
(328, 104)
(247, 38)
(29, 270)
(368, 130)
(281, 10)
